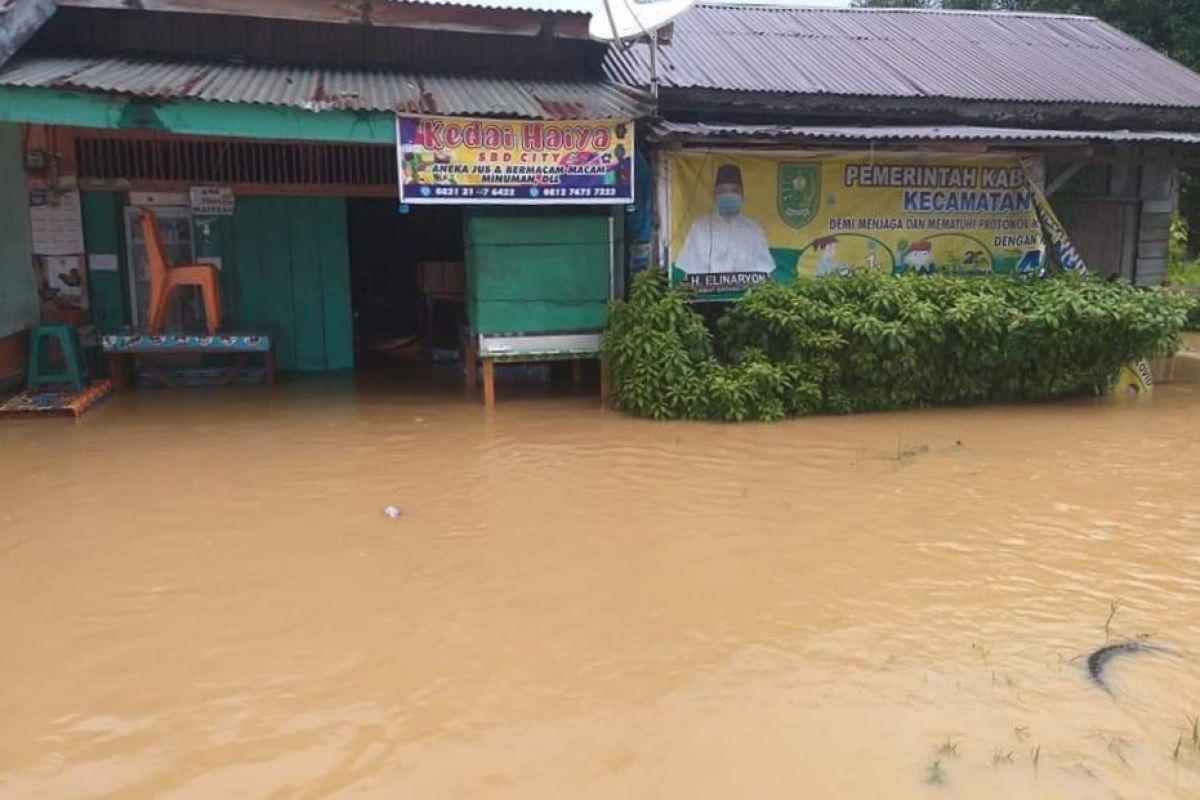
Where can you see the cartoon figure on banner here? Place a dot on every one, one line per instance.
(726, 241)
(919, 258)
(827, 263)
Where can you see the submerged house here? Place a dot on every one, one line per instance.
(887, 136)
(263, 137)
(312, 153)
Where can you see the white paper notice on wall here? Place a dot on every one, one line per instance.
(56, 222)
(102, 262)
(212, 201)
(66, 280)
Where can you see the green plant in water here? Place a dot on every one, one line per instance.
(934, 774)
(1113, 605)
(1178, 747)
(1035, 755)
(948, 747)
(1181, 270)
(1001, 756)
(867, 342)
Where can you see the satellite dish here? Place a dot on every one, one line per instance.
(626, 19)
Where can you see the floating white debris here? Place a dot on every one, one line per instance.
(392, 511)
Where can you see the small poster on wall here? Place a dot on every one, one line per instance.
(212, 201)
(62, 285)
(56, 222)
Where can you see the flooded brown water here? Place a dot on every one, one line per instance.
(200, 597)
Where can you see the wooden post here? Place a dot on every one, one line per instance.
(117, 370)
(271, 366)
(577, 371)
(604, 381)
(489, 383)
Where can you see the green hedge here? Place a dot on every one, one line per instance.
(869, 342)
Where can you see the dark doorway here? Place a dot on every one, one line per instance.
(406, 280)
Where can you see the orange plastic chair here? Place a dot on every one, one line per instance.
(165, 279)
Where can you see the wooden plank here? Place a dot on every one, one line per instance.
(489, 383)
(307, 305)
(1151, 271)
(513, 22)
(249, 307)
(1158, 183)
(1155, 220)
(277, 277)
(334, 248)
(1122, 179)
(101, 212)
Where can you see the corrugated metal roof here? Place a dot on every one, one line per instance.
(907, 53)
(913, 133)
(19, 21)
(545, 6)
(316, 89)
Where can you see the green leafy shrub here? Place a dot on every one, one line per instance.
(1182, 271)
(868, 342)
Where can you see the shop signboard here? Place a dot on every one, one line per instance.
(737, 219)
(470, 160)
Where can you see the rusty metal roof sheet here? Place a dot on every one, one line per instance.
(545, 6)
(316, 89)
(906, 53)
(912, 133)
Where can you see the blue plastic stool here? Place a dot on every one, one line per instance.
(73, 371)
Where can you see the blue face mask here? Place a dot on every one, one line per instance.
(729, 205)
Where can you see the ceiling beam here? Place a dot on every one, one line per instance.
(381, 13)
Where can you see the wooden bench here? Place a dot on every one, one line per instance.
(123, 348)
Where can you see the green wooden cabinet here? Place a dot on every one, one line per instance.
(538, 272)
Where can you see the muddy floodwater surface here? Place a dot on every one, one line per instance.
(202, 597)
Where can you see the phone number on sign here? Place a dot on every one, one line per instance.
(590, 191)
(488, 192)
(472, 191)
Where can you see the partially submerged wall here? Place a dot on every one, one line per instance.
(18, 287)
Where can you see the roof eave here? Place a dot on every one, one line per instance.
(700, 103)
(493, 21)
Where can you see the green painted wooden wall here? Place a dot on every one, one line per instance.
(18, 286)
(538, 272)
(285, 269)
(103, 235)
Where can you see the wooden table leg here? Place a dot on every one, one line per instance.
(604, 381)
(116, 370)
(489, 383)
(234, 370)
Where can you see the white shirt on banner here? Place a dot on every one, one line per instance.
(720, 244)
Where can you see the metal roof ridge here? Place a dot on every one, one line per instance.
(969, 12)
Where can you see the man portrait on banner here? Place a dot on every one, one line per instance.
(726, 241)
